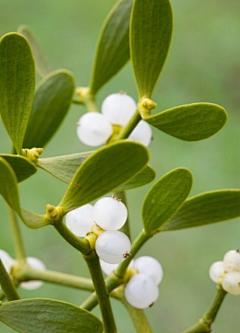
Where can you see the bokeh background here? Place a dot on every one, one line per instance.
(203, 65)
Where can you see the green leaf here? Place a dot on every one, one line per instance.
(150, 37)
(144, 177)
(45, 316)
(103, 172)
(63, 167)
(9, 191)
(165, 198)
(113, 45)
(190, 122)
(22, 167)
(42, 65)
(17, 84)
(52, 100)
(206, 208)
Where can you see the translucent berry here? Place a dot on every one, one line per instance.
(110, 213)
(141, 292)
(142, 133)
(80, 220)
(231, 283)
(94, 129)
(232, 261)
(216, 271)
(113, 246)
(108, 268)
(7, 260)
(118, 108)
(149, 266)
(36, 264)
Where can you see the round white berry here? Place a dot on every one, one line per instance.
(113, 246)
(149, 266)
(231, 283)
(141, 292)
(142, 133)
(108, 268)
(7, 260)
(80, 220)
(118, 108)
(94, 129)
(36, 264)
(110, 213)
(216, 271)
(232, 261)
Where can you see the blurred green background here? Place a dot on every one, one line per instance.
(203, 65)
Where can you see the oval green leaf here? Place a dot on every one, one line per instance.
(144, 177)
(41, 63)
(103, 172)
(45, 315)
(205, 209)
(17, 84)
(51, 103)
(165, 198)
(9, 191)
(113, 45)
(190, 122)
(22, 167)
(150, 37)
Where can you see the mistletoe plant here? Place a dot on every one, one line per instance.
(140, 30)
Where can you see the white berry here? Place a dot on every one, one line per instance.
(108, 268)
(80, 220)
(94, 129)
(141, 292)
(216, 271)
(7, 260)
(118, 108)
(113, 246)
(36, 264)
(142, 133)
(110, 214)
(232, 261)
(231, 283)
(149, 266)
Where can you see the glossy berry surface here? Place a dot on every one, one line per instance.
(149, 266)
(142, 133)
(231, 283)
(216, 271)
(80, 220)
(232, 261)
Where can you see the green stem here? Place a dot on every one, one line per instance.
(90, 104)
(127, 130)
(63, 279)
(7, 285)
(79, 244)
(16, 234)
(205, 323)
(139, 318)
(126, 228)
(101, 292)
(116, 278)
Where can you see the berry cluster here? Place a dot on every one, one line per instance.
(95, 129)
(35, 263)
(109, 214)
(227, 272)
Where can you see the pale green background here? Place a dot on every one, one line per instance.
(203, 65)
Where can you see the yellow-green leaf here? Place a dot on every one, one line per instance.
(17, 84)
(205, 209)
(48, 316)
(103, 172)
(150, 37)
(51, 103)
(144, 177)
(165, 198)
(113, 45)
(42, 65)
(190, 122)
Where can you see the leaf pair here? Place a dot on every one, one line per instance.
(45, 315)
(30, 119)
(165, 207)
